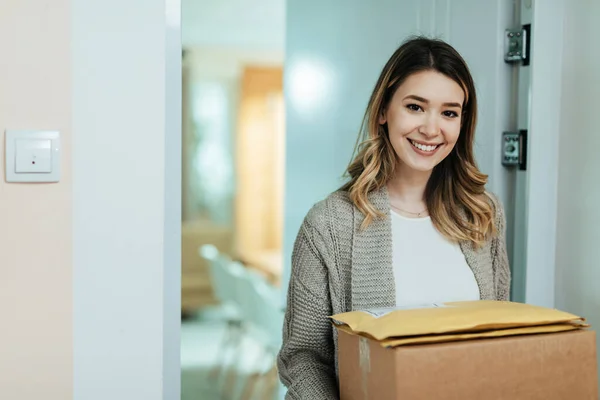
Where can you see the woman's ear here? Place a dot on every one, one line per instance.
(382, 117)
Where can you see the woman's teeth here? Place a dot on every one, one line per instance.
(423, 147)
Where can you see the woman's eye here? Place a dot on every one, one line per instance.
(414, 107)
(450, 114)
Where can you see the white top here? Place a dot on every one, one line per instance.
(428, 268)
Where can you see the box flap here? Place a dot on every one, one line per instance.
(450, 318)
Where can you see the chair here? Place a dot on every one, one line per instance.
(255, 309)
(224, 276)
(266, 319)
(272, 319)
(243, 283)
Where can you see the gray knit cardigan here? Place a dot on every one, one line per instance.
(336, 267)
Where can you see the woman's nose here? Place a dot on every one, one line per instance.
(430, 126)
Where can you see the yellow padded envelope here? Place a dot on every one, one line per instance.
(429, 339)
(466, 317)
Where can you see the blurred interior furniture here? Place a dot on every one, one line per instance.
(225, 277)
(255, 309)
(267, 263)
(196, 287)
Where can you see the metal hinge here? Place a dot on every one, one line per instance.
(516, 45)
(514, 149)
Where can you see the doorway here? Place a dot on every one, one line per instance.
(233, 151)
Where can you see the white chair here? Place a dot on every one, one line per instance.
(223, 273)
(224, 276)
(256, 311)
(271, 319)
(243, 283)
(266, 318)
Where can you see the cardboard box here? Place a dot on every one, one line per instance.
(554, 366)
(467, 356)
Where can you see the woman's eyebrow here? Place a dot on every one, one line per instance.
(424, 100)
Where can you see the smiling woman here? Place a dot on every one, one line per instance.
(413, 224)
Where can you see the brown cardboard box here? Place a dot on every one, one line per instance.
(540, 366)
(555, 366)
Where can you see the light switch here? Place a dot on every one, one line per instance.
(33, 156)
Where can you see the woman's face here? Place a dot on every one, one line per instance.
(424, 120)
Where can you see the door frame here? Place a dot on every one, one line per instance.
(541, 187)
(173, 203)
(124, 171)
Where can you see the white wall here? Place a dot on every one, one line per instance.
(126, 61)
(36, 357)
(578, 230)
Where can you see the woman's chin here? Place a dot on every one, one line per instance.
(420, 166)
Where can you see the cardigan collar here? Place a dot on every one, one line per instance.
(373, 284)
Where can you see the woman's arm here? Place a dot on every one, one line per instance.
(306, 360)
(500, 265)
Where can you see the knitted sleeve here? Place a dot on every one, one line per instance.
(501, 268)
(306, 361)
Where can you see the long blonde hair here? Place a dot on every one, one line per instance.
(455, 193)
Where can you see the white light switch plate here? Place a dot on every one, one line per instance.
(32, 156)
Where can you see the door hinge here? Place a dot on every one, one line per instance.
(516, 45)
(514, 149)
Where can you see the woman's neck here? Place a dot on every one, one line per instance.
(407, 188)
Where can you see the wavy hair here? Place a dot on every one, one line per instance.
(455, 193)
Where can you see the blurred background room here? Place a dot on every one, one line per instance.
(232, 193)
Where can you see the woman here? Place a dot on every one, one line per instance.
(413, 225)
